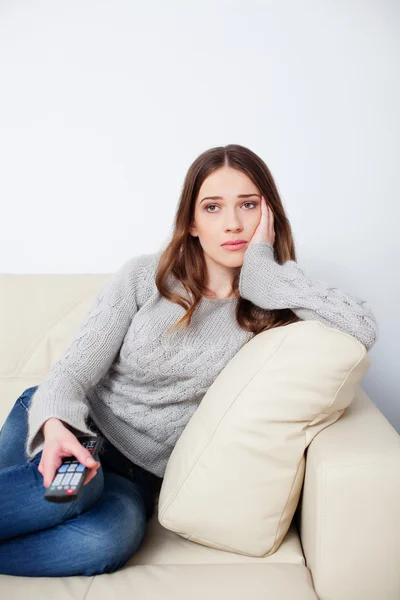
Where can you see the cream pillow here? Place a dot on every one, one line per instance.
(234, 478)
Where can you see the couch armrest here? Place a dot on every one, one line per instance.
(348, 514)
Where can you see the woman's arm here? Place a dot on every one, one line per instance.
(62, 394)
(269, 285)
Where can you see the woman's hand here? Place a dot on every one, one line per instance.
(265, 231)
(59, 443)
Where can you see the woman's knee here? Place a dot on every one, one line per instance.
(25, 398)
(14, 431)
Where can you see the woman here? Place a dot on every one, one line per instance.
(155, 339)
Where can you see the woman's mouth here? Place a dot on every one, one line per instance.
(239, 246)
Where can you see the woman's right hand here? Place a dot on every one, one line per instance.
(60, 442)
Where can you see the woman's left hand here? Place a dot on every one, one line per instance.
(265, 231)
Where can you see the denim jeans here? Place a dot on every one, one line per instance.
(95, 534)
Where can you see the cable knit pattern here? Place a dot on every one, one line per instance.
(271, 286)
(140, 384)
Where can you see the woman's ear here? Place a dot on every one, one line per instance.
(193, 231)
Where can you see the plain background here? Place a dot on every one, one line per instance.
(104, 106)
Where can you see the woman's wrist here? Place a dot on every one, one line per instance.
(52, 423)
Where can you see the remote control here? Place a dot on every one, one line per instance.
(71, 474)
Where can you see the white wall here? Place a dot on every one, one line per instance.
(104, 105)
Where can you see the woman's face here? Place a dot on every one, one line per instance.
(230, 217)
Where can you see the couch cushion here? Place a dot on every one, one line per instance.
(162, 546)
(170, 582)
(234, 478)
(200, 582)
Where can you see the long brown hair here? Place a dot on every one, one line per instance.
(183, 258)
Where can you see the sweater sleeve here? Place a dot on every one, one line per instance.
(271, 286)
(62, 394)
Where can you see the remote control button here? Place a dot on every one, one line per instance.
(80, 468)
(67, 478)
(59, 487)
(76, 479)
(63, 468)
(72, 467)
(58, 479)
(70, 491)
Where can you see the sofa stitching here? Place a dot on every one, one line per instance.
(89, 588)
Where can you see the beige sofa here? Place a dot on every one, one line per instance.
(343, 544)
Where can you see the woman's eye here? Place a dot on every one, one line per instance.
(208, 206)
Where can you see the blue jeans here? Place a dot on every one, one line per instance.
(97, 533)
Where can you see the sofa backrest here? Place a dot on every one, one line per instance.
(39, 317)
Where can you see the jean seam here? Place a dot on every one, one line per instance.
(23, 395)
(21, 402)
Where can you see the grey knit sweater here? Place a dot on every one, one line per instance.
(141, 385)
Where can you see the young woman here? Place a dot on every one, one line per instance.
(158, 334)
